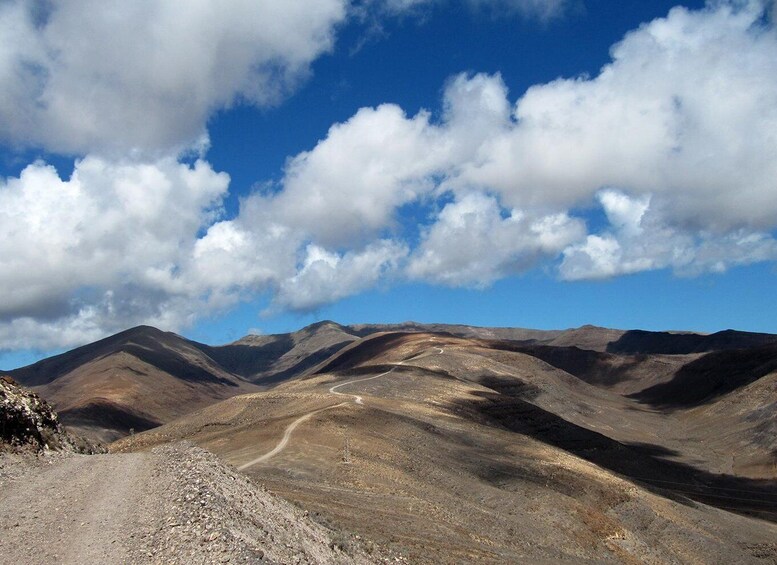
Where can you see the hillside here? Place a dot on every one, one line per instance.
(269, 359)
(451, 449)
(141, 378)
(132, 381)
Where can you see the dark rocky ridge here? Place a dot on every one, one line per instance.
(28, 423)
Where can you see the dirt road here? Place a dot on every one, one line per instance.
(286, 435)
(357, 399)
(80, 509)
(175, 505)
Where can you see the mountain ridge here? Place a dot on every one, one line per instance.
(143, 377)
(459, 449)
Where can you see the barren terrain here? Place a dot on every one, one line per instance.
(464, 449)
(176, 504)
(440, 444)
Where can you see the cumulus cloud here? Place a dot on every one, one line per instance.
(119, 244)
(686, 111)
(640, 239)
(326, 276)
(673, 141)
(143, 76)
(350, 185)
(70, 249)
(108, 223)
(474, 242)
(680, 126)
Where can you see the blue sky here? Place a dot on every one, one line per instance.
(260, 165)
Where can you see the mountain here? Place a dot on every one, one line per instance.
(143, 377)
(132, 381)
(456, 448)
(269, 359)
(639, 341)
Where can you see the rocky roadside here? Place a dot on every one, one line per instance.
(217, 515)
(29, 424)
(177, 504)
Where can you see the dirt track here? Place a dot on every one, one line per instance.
(176, 505)
(333, 390)
(81, 509)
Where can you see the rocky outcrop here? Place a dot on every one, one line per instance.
(27, 422)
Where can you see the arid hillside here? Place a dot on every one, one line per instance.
(452, 449)
(132, 381)
(142, 378)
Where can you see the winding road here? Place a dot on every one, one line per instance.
(293, 426)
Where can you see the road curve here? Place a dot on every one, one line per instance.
(286, 435)
(356, 397)
(291, 427)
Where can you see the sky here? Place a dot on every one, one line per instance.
(253, 166)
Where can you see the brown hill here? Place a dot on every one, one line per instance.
(585, 337)
(143, 377)
(451, 449)
(269, 359)
(131, 381)
(711, 376)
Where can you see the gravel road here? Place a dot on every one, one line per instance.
(78, 509)
(176, 504)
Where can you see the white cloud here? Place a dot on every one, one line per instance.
(686, 110)
(119, 244)
(474, 242)
(110, 76)
(351, 184)
(681, 122)
(674, 140)
(539, 9)
(109, 224)
(639, 239)
(326, 276)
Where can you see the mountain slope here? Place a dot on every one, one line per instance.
(269, 359)
(678, 343)
(460, 450)
(131, 381)
(143, 377)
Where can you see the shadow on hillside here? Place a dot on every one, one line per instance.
(645, 464)
(364, 352)
(173, 364)
(640, 341)
(248, 360)
(710, 377)
(307, 363)
(593, 367)
(108, 415)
